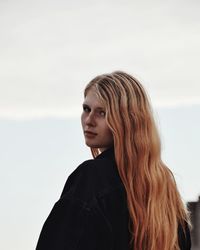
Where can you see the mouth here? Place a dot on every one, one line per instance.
(89, 133)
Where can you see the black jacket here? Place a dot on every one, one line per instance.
(91, 213)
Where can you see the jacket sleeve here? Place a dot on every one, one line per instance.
(71, 225)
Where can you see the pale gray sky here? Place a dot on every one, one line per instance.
(49, 50)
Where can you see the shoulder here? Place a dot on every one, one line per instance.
(74, 224)
(92, 178)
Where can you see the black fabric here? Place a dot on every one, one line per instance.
(91, 213)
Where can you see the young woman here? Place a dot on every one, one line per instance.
(125, 198)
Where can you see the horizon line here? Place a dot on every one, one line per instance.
(37, 114)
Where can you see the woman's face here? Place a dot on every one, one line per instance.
(96, 131)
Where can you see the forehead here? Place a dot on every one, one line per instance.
(93, 100)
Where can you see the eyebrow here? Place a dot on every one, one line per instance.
(96, 108)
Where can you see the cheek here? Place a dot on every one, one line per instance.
(108, 132)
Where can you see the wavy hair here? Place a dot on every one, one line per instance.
(154, 203)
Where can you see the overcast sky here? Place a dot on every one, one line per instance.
(49, 50)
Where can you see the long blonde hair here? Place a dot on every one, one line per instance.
(153, 200)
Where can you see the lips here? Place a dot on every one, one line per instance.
(89, 133)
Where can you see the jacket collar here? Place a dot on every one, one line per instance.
(108, 153)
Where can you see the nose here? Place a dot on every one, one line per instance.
(90, 120)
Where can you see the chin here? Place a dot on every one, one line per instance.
(92, 145)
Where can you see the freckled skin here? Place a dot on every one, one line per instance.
(93, 119)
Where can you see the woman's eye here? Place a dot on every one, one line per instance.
(86, 109)
(102, 113)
